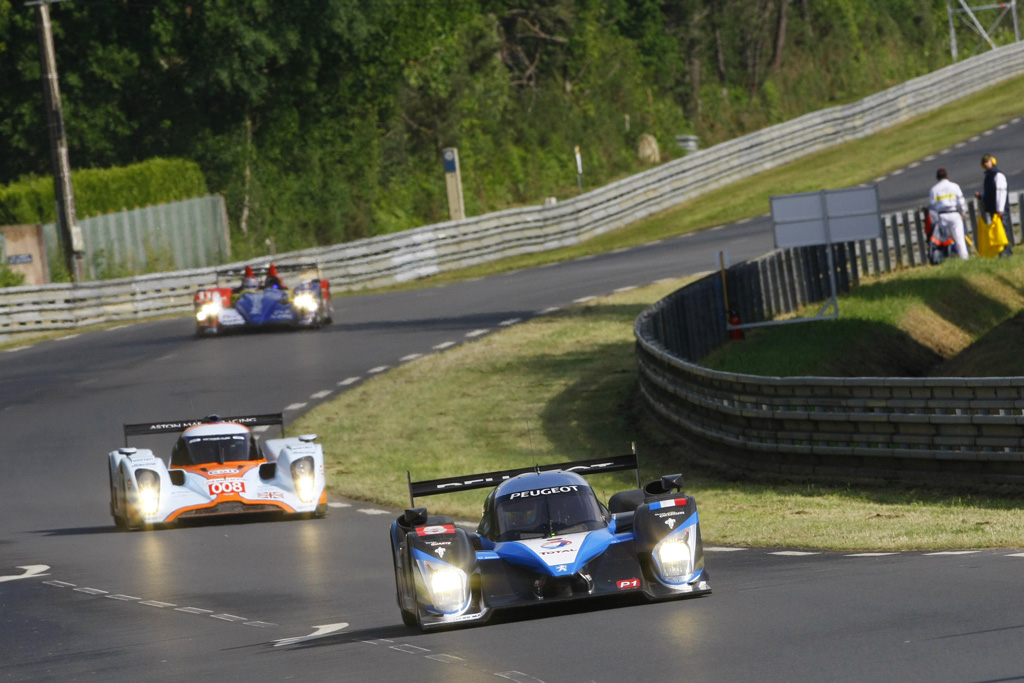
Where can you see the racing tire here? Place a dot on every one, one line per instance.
(410, 619)
(321, 511)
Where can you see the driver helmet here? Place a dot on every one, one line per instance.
(250, 283)
(519, 518)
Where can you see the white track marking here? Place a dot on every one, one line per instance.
(477, 333)
(157, 603)
(510, 321)
(410, 357)
(870, 554)
(721, 549)
(409, 649)
(348, 380)
(30, 570)
(1016, 555)
(193, 610)
(320, 632)
(443, 345)
(373, 511)
(793, 553)
(259, 624)
(584, 299)
(377, 370)
(955, 552)
(550, 309)
(339, 505)
(321, 394)
(125, 598)
(228, 617)
(295, 406)
(59, 584)
(91, 591)
(447, 659)
(518, 676)
(630, 288)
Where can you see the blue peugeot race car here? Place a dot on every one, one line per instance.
(544, 537)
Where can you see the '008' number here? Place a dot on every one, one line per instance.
(219, 487)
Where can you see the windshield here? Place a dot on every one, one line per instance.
(219, 448)
(547, 512)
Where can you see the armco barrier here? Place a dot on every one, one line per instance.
(882, 427)
(456, 244)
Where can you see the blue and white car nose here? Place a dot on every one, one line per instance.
(559, 555)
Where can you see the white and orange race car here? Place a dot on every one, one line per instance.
(216, 467)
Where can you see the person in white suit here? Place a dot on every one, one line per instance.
(947, 206)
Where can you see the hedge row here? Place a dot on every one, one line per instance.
(103, 190)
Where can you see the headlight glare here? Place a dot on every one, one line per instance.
(675, 558)
(306, 302)
(304, 477)
(210, 309)
(447, 585)
(149, 491)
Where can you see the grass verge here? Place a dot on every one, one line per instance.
(562, 387)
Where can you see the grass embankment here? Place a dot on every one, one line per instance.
(562, 387)
(954, 320)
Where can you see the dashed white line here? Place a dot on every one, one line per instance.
(259, 624)
(125, 598)
(157, 603)
(409, 649)
(321, 394)
(630, 288)
(793, 553)
(584, 299)
(70, 336)
(447, 659)
(372, 511)
(945, 151)
(476, 333)
(721, 549)
(869, 554)
(518, 676)
(930, 157)
(377, 370)
(955, 552)
(879, 179)
(510, 321)
(348, 380)
(59, 584)
(15, 350)
(443, 345)
(988, 132)
(194, 610)
(914, 165)
(295, 406)
(963, 144)
(1016, 555)
(228, 617)
(91, 591)
(339, 505)
(411, 356)
(550, 309)
(1001, 127)
(898, 171)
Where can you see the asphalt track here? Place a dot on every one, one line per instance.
(314, 600)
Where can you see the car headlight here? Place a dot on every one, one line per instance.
(209, 310)
(304, 477)
(149, 491)
(305, 301)
(675, 557)
(447, 586)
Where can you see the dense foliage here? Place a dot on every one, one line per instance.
(103, 190)
(324, 120)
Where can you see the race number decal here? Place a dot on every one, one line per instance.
(436, 529)
(626, 584)
(227, 486)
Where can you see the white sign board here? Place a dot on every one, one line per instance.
(812, 218)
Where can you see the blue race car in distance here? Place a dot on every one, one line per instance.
(262, 300)
(545, 537)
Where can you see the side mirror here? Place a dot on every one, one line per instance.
(268, 470)
(414, 517)
(664, 485)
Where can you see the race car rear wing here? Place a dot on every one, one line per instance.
(434, 487)
(269, 419)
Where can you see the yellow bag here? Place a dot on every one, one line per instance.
(991, 236)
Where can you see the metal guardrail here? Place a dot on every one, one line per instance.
(888, 427)
(451, 245)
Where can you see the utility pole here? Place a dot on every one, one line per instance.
(72, 243)
(974, 24)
